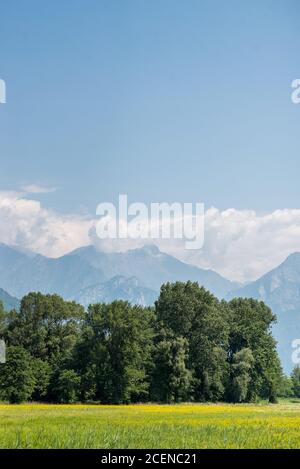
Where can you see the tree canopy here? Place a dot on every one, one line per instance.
(188, 347)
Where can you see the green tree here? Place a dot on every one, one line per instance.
(242, 364)
(17, 381)
(250, 327)
(296, 381)
(2, 320)
(189, 311)
(286, 386)
(190, 347)
(88, 389)
(67, 387)
(41, 370)
(46, 326)
(171, 378)
(116, 351)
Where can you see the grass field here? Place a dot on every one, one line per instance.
(150, 426)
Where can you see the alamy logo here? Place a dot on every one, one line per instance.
(2, 352)
(296, 352)
(295, 96)
(2, 92)
(158, 221)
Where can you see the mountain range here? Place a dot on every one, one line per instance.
(87, 275)
(119, 287)
(87, 270)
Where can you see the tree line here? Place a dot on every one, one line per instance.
(188, 347)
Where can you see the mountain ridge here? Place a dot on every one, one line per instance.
(84, 267)
(118, 287)
(160, 268)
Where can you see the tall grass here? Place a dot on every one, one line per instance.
(150, 426)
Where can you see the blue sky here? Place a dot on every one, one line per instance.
(163, 100)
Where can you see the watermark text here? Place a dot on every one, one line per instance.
(158, 221)
(295, 96)
(2, 92)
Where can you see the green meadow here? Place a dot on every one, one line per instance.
(150, 426)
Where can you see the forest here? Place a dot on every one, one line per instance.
(188, 347)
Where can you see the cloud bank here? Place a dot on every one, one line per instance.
(239, 244)
(25, 223)
(243, 245)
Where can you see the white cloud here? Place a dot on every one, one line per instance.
(25, 223)
(37, 189)
(239, 244)
(242, 245)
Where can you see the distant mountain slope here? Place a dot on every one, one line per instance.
(21, 272)
(280, 289)
(153, 268)
(9, 302)
(120, 288)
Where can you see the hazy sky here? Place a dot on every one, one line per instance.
(163, 100)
